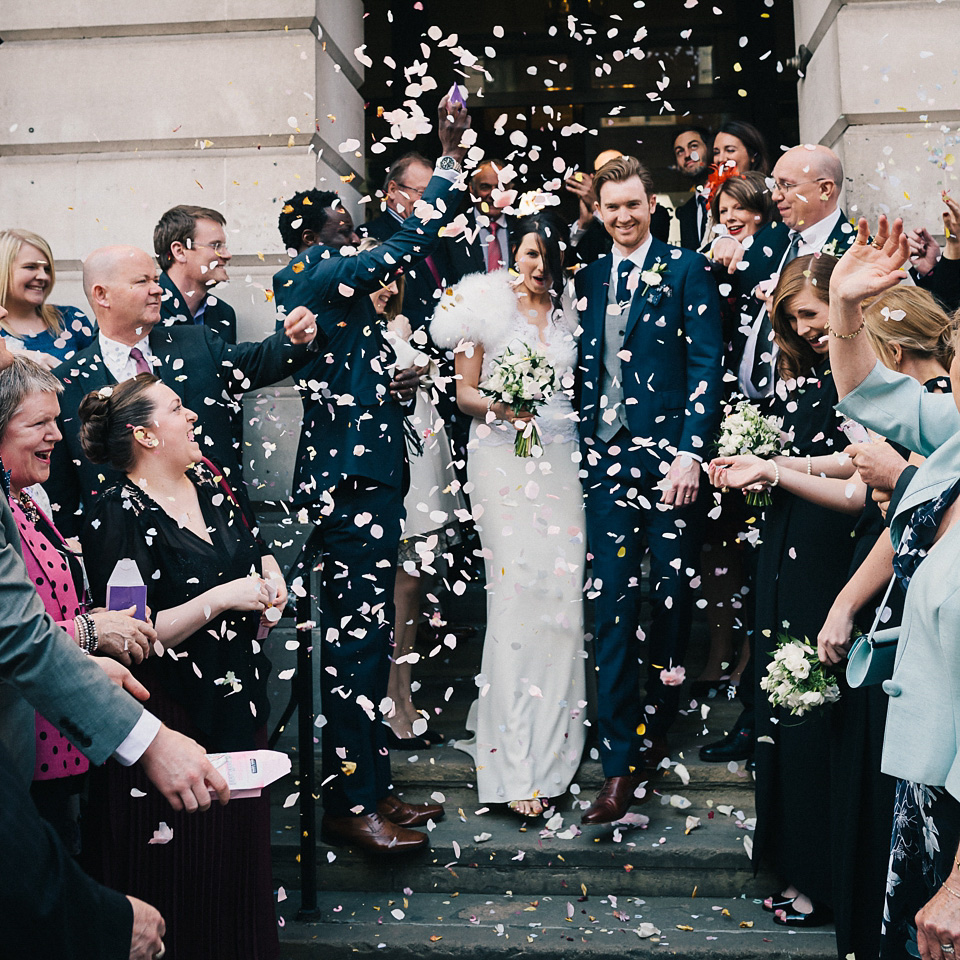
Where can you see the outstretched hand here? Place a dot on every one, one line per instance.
(452, 122)
(868, 269)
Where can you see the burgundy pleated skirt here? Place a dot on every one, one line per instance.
(211, 882)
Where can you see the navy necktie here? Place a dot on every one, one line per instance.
(624, 295)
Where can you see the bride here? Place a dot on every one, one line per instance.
(529, 718)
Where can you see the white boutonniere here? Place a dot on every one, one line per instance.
(653, 277)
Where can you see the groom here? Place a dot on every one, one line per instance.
(650, 381)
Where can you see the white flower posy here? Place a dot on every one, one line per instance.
(795, 678)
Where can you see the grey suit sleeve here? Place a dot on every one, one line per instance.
(40, 662)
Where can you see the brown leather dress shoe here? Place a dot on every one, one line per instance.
(372, 834)
(408, 814)
(613, 800)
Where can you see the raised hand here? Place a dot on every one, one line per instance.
(867, 269)
(452, 122)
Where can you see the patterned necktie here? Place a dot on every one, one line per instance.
(493, 248)
(624, 294)
(136, 354)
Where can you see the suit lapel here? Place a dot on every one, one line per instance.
(656, 252)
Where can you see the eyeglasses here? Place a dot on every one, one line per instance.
(218, 246)
(409, 189)
(785, 186)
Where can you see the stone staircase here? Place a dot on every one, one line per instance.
(493, 885)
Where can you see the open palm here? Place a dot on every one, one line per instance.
(867, 269)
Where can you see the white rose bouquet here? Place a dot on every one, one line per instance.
(795, 678)
(744, 431)
(523, 378)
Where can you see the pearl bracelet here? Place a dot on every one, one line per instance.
(776, 475)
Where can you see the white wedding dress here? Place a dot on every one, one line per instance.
(528, 720)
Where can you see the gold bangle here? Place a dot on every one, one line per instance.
(845, 336)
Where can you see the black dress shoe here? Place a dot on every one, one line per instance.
(819, 916)
(736, 745)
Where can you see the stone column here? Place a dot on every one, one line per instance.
(111, 112)
(882, 90)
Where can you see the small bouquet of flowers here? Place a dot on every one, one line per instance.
(795, 678)
(746, 431)
(524, 378)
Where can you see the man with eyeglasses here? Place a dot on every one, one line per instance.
(191, 247)
(806, 190)
(424, 281)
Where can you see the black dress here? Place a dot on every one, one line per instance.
(212, 882)
(802, 564)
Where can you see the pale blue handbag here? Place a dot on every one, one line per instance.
(871, 657)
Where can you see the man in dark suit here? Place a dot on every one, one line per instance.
(807, 182)
(208, 373)
(423, 281)
(650, 372)
(191, 247)
(692, 158)
(484, 244)
(350, 472)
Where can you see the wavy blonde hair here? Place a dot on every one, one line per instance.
(10, 243)
(925, 329)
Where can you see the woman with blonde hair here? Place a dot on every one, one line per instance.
(48, 334)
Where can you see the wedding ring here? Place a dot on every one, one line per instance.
(862, 243)
(879, 245)
(947, 948)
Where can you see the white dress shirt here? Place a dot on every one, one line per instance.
(117, 359)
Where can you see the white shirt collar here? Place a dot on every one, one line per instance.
(638, 257)
(813, 238)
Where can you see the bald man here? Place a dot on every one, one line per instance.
(209, 374)
(807, 184)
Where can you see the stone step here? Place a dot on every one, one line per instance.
(476, 926)
(483, 849)
(447, 767)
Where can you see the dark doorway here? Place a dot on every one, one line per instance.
(579, 76)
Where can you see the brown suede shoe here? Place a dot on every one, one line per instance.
(408, 814)
(372, 834)
(614, 799)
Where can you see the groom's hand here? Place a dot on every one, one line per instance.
(682, 482)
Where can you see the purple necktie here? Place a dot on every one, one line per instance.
(143, 366)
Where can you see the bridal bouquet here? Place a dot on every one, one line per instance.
(795, 678)
(746, 431)
(525, 379)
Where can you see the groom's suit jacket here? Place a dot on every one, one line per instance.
(207, 373)
(671, 357)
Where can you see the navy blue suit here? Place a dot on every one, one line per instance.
(351, 467)
(671, 370)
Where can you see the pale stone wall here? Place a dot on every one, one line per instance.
(883, 90)
(112, 111)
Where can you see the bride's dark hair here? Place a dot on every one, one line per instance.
(553, 238)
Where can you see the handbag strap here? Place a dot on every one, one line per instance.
(880, 609)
